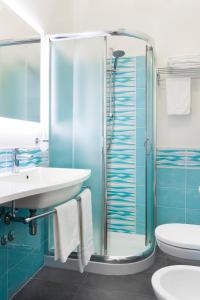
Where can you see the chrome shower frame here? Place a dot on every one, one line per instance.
(149, 42)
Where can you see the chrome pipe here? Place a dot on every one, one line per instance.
(111, 100)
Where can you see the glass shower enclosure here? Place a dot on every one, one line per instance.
(102, 118)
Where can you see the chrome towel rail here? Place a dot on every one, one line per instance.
(11, 215)
(46, 214)
(192, 72)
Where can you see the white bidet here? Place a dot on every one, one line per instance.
(177, 283)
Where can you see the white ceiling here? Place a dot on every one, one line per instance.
(12, 26)
(52, 16)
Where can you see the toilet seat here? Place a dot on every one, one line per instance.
(179, 240)
(179, 235)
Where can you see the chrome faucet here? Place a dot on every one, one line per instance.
(17, 157)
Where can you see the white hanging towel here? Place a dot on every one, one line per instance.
(86, 248)
(66, 230)
(178, 95)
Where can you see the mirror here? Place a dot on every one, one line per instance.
(20, 81)
(19, 69)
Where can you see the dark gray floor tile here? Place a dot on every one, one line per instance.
(138, 283)
(101, 294)
(61, 276)
(60, 284)
(173, 261)
(103, 281)
(43, 290)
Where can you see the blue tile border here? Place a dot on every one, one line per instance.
(171, 158)
(178, 158)
(193, 158)
(39, 158)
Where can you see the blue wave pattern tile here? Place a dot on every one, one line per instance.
(6, 160)
(178, 158)
(39, 158)
(193, 158)
(121, 169)
(171, 158)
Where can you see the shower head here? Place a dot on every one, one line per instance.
(117, 54)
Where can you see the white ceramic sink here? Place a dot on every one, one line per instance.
(41, 187)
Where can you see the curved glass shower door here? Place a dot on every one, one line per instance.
(76, 131)
(101, 118)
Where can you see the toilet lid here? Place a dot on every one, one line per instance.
(179, 235)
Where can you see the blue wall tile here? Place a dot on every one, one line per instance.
(177, 185)
(25, 269)
(3, 259)
(140, 213)
(3, 288)
(170, 215)
(171, 177)
(141, 98)
(171, 197)
(16, 253)
(140, 228)
(140, 79)
(140, 219)
(140, 175)
(140, 62)
(193, 216)
(141, 76)
(140, 137)
(140, 192)
(192, 198)
(18, 275)
(140, 117)
(140, 156)
(193, 178)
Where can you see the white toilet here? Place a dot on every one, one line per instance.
(181, 241)
(177, 283)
